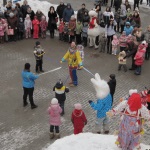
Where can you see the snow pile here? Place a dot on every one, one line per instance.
(87, 141)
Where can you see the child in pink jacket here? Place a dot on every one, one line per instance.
(54, 112)
(35, 23)
(115, 44)
(61, 29)
(2, 29)
(43, 26)
(28, 26)
(139, 57)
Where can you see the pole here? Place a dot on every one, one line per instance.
(88, 71)
(50, 71)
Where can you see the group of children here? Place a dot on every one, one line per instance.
(73, 31)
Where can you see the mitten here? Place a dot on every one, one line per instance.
(90, 101)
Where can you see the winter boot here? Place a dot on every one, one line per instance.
(106, 132)
(51, 135)
(57, 135)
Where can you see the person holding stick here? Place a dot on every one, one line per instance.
(28, 81)
(74, 60)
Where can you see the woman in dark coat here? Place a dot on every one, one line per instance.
(52, 21)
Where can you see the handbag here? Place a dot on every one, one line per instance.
(10, 31)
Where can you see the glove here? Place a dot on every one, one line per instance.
(90, 101)
(61, 62)
(109, 113)
(81, 67)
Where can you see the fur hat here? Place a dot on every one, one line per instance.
(54, 101)
(134, 102)
(11, 15)
(78, 106)
(132, 91)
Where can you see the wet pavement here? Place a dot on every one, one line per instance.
(25, 129)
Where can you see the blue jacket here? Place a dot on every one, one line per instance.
(128, 30)
(68, 12)
(102, 106)
(28, 79)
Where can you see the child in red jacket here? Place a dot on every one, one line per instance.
(78, 119)
(35, 23)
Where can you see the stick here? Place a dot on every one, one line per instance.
(50, 71)
(88, 71)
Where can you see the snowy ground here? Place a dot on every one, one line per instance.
(88, 141)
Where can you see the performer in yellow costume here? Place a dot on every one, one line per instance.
(74, 60)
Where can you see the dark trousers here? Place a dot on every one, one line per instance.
(66, 38)
(71, 38)
(118, 26)
(109, 46)
(122, 28)
(61, 36)
(28, 91)
(20, 35)
(124, 67)
(147, 54)
(133, 63)
(138, 69)
(84, 41)
(52, 33)
(62, 103)
(136, 4)
(38, 65)
(102, 47)
(112, 95)
(13, 37)
(78, 39)
(54, 127)
(148, 105)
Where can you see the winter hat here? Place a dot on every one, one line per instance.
(11, 15)
(144, 93)
(78, 106)
(37, 43)
(112, 76)
(115, 37)
(134, 102)
(54, 101)
(27, 66)
(132, 91)
(144, 42)
(59, 84)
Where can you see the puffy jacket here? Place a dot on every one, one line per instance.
(78, 119)
(128, 29)
(54, 113)
(68, 12)
(28, 79)
(102, 106)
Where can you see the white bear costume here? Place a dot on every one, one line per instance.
(94, 30)
(103, 104)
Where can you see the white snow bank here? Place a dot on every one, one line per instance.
(87, 141)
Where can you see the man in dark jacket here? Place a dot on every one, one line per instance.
(68, 12)
(24, 8)
(112, 85)
(60, 9)
(81, 13)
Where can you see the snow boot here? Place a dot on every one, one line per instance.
(57, 135)
(51, 135)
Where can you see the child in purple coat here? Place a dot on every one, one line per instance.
(54, 111)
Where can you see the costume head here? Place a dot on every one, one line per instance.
(92, 13)
(101, 87)
(134, 102)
